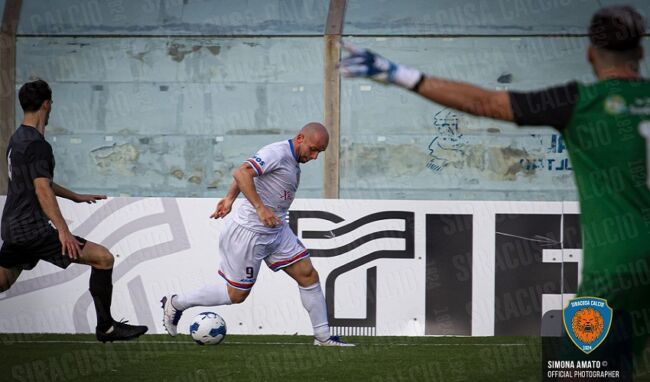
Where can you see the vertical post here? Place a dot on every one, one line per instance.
(332, 97)
(7, 83)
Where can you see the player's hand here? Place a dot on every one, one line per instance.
(69, 245)
(89, 198)
(267, 217)
(223, 208)
(365, 63)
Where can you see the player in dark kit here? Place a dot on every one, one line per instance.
(28, 235)
(606, 127)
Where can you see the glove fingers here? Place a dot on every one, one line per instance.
(354, 70)
(352, 60)
(352, 48)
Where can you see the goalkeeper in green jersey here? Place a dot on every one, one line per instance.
(606, 127)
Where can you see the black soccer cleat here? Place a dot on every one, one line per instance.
(121, 331)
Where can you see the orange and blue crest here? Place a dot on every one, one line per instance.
(587, 321)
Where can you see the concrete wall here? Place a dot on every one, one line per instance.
(140, 113)
(397, 145)
(164, 17)
(475, 17)
(468, 17)
(172, 116)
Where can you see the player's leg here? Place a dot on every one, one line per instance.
(303, 272)
(12, 263)
(215, 294)
(101, 281)
(236, 276)
(101, 289)
(8, 277)
(311, 295)
(292, 257)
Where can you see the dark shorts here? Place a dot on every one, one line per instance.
(26, 255)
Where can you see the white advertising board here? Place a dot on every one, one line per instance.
(387, 267)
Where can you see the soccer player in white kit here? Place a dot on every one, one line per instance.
(269, 181)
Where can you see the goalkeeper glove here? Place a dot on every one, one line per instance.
(365, 63)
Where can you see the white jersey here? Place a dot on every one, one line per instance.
(277, 182)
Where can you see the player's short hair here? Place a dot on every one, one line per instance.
(617, 28)
(32, 95)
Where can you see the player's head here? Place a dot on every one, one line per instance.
(615, 34)
(36, 97)
(310, 141)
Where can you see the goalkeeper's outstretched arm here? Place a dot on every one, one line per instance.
(454, 94)
(467, 98)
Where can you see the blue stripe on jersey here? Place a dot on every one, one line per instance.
(293, 152)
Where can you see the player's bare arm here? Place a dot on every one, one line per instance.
(244, 177)
(224, 206)
(454, 94)
(47, 200)
(77, 198)
(467, 98)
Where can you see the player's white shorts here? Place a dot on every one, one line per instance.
(243, 250)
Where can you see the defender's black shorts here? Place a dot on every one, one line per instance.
(27, 255)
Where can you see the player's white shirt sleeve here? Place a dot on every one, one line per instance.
(265, 160)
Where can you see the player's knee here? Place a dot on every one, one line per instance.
(238, 299)
(105, 259)
(311, 277)
(5, 283)
(237, 296)
(7, 279)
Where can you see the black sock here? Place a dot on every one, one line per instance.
(101, 288)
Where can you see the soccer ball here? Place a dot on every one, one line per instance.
(208, 328)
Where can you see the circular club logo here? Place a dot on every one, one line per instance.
(615, 104)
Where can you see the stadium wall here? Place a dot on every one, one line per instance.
(165, 97)
(153, 116)
(413, 268)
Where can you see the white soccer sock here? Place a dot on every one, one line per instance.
(210, 295)
(314, 302)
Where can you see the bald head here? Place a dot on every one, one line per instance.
(310, 141)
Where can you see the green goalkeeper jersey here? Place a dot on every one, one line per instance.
(606, 128)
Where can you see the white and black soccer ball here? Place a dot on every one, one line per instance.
(208, 328)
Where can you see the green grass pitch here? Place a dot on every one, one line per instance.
(79, 357)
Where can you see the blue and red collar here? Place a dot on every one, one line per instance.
(293, 151)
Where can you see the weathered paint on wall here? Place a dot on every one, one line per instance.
(172, 116)
(156, 115)
(177, 17)
(397, 145)
(474, 17)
